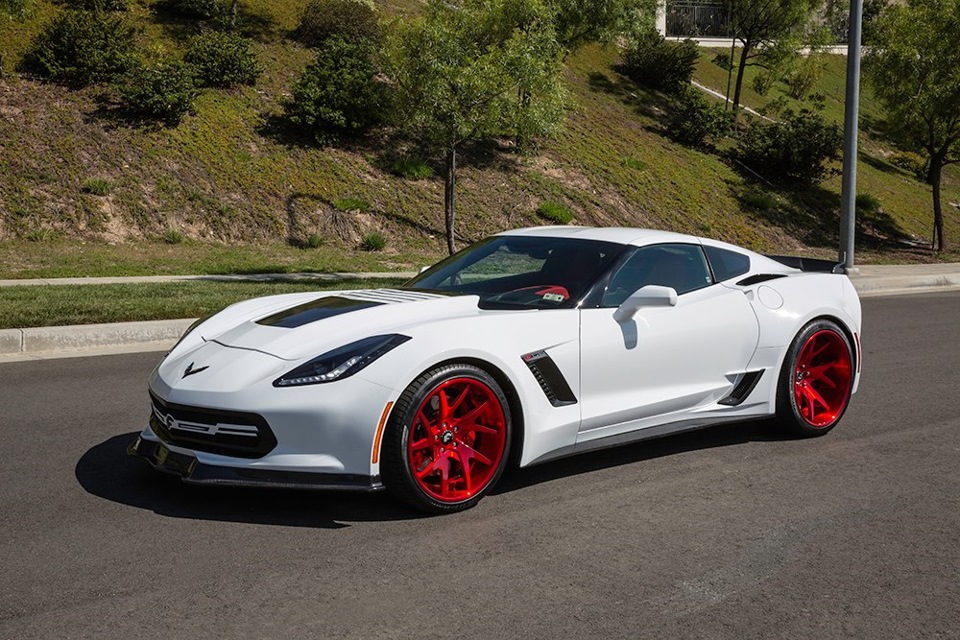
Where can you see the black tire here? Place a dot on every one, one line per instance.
(453, 453)
(816, 380)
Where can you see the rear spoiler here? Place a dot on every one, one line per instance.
(809, 264)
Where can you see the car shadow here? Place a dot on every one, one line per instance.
(705, 438)
(106, 471)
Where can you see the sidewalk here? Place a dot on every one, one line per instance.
(159, 335)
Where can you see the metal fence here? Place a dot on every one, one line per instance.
(705, 19)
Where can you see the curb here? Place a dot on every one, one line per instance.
(19, 342)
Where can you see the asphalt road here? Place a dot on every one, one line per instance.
(730, 532)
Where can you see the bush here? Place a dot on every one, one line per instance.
(760, 200)
(81, 47)
(801, 78)
(554, 212)
(351, 204)
(350, 20)
(373, 242)
(763, 82)
(172, 236)
(412, 169)
(314, 241)
(912, 162)
(97, 187)
(694, 121)
(164, 90)
(723, 61)
(652, 61)
(223, 60)
(338, 93)
(867, 203)
(95, 5)
(204, 9)
(794, 150)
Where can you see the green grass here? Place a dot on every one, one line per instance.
(55, 305)
(97, 187)
(59, 258)
(555, 212)
(373, 242)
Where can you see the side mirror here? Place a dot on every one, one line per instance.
(422, 269)
(652, 295)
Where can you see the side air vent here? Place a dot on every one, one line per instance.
(740, 392)
(760, 277)
(550, 379)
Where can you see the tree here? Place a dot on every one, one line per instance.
(580, 22)
(759, 24)
(460, 74)
(915, 72)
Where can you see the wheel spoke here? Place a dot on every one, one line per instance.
(814, 396)
(473, 453)
(471, 416)
(426, 443)
(444, 407)
(463, 396)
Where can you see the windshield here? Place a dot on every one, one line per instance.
(522, 271)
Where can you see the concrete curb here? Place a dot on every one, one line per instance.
(254, 277)
(17, 342)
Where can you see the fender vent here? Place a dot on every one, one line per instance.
(760, 277)
(743, 388)
(550, 379)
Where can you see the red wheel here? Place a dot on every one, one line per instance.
(449, 439)
(817, 379)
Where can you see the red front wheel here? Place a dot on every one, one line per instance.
(817, 379)
(448, 439)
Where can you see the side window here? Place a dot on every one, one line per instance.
(681, 266)
(727, 264)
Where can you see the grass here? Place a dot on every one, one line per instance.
(555, 212)
(60, 258)
(412, 169)
(55, 305)
(97, 187)
(373, 242)
(351, 203)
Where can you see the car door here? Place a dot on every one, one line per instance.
(665, 360)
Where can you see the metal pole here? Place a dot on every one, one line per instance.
(848, 192)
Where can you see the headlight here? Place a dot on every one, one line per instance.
(340, 363)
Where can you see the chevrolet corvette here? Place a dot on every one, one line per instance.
(528, 346)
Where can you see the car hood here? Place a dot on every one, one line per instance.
(296, 327)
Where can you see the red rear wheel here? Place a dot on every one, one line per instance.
(822, 378)
(816, 380)
(449, 439)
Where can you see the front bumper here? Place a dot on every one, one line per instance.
(192, 471)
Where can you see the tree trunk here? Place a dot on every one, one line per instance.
(740, 69)
(449, 179)
(936, 173)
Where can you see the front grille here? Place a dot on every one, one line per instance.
(228, 433)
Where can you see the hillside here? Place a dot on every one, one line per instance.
(231, 189)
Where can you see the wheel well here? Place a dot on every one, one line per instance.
(846, 331)
(513, 398)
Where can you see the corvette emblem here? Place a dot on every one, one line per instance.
(189, 371)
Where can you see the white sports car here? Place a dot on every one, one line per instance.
(525, 347)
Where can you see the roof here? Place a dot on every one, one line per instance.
(621, 235)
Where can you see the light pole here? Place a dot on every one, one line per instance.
(848, 192)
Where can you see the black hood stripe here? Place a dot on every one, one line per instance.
(314, 311)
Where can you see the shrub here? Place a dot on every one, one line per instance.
(373, 242)
(763, 82)
(760, 200)
(412, 169)
(654, 62)
(97, 187)
(223, 60)
(164, 90)
(81, 47)
(801, 78)
(722, 60)
(95, 5)
(912, 162)
(867, 203)
(350, 20)
(554, 212)
(172, 236)
(694, 121)
(794, 150)
(351, 203)
(338, 93)
(314, 241)
(205, 9)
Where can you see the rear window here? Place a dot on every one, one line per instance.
(727, 264)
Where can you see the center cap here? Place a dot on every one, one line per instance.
(446, 437)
